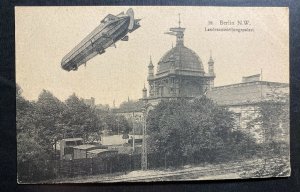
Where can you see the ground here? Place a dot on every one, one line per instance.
(230, 170)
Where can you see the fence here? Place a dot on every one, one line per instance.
(100, 165)
(52, 169)
(29, 172)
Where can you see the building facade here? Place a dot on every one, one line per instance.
(180, 73)
(243, 99)
(90, 102)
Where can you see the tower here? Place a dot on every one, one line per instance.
(211, 66)
(144, 92)
(150, 69)
(180, 72)
(211, 71)
(178, 32)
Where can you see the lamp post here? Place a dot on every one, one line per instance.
(147, 107)
(144, 145)
(133, 132)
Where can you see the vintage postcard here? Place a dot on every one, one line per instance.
(150, 93)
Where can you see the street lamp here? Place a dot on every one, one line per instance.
(145, 110)
(133, 132)
(144, 145)
(135, 120)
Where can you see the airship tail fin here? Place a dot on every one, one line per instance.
(135, 26)
(130, 13)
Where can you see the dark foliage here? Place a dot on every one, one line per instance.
(42, 123)
(273, 121)
(196, 130)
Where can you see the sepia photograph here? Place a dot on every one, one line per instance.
(109, 94)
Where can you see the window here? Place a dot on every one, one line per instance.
(68, 150)
(79, 142)
(69, 143)
(73, 143)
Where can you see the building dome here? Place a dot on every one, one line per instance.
(180, 73)
(180, 58)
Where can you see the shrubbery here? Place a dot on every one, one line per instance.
(43, 122)
(197, 130)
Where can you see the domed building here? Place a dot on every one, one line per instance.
(180, 73)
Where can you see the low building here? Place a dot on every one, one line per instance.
(243, 99)
(90, 102)
(82, 151)
(101, 153)
(66, 147)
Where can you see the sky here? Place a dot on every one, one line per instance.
(45, 34)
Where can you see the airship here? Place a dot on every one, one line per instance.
(111, 29)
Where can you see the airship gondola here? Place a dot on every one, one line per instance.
(111, 29)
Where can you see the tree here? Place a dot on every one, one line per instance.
(29, 148)
(123, 125)
(26, 130)
(24, 115)
(272, 118)
(196, 130)
(49, 111)
(115, 124)
(32, 150)
(80, 119)
(40, 124)
(131, 105)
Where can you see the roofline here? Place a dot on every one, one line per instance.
(84, 146)
(129, 111)
(249, 103)
(252, 75)
(167, 74)
(72, 139)
(252, 82)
